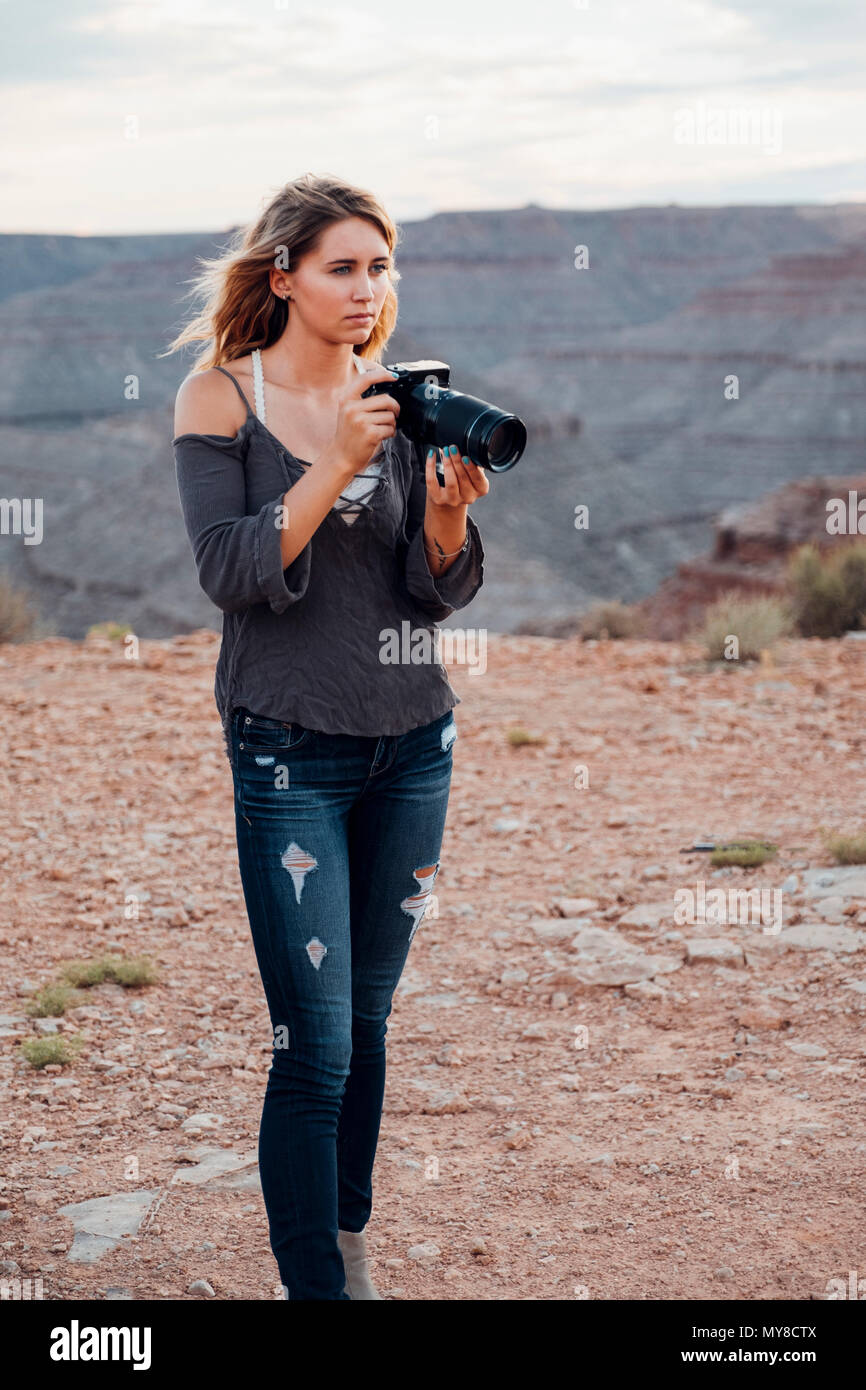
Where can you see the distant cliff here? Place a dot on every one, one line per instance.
(753, 543)
(702, 358)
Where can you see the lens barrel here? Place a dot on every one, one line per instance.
(492, 438)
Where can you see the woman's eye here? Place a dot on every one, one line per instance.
(340, 268)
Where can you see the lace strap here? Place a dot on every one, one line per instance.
(259, 381)
(259, 385)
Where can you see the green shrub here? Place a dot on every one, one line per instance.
(18, 616)
(746, 854)
(847, 849)
(852, 568)
(135, 972)
(51, 1002)
(111, 630)
(84, 973)
(828, 589)
(756, 622)
(56, 1049)
(519, 736)
(610, 619)
(131, 973)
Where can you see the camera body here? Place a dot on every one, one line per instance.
(431, 412)
(430, 374)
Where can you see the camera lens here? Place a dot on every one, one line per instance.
(490, 437)
(505, 443)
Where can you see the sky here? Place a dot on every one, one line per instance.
(189, 115)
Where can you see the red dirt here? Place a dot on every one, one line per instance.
(524, 1159)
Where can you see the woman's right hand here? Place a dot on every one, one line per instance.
(363, 424)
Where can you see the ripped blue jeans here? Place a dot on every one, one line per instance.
(338, 839)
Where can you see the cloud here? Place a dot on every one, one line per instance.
(173, 116)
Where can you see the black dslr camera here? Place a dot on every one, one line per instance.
(431, 413)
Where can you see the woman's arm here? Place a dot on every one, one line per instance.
(203, 405)
(444, 536)
(439, 587)
(238, 557)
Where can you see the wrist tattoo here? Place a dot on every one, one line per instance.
(440, 554)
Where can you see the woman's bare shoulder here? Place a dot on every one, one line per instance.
(208, 403)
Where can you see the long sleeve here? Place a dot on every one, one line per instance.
(238, 557)
(440, 596)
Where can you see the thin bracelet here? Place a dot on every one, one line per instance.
(452, 553)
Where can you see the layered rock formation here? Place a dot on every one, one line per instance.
(619, 369)
(753, 543)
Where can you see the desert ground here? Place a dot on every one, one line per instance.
(587, 1097)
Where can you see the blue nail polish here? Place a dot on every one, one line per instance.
(454, 449)
(429, 453)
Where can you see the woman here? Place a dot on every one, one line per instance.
(321, 533)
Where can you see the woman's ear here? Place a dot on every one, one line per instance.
(280, 285)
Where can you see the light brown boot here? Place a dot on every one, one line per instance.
(353, 1247)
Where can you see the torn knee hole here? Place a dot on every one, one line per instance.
(316, 951)
(416, 904)
(299, 863)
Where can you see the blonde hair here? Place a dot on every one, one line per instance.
(240, 311)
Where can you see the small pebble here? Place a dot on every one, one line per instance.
(425, 1253)
(201, 1287)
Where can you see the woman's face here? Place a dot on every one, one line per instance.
(345, 277)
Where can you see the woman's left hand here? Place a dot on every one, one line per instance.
(464, 482)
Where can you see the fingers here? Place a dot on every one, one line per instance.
(385, 410)
(456, 488)
(380, 400)
(368, 377)
(464, 481)
(435, 489)
(469, 473)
